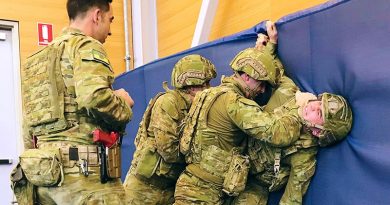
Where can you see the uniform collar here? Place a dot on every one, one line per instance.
(186, 97)
(70, 30)
(231, 82)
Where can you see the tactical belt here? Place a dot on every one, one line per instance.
(76, 159)
(156, 181)
(202, 174)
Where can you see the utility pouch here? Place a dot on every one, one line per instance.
(114, 162)
(22, 188)
(237, 175)
(42, 167)
(148, 161)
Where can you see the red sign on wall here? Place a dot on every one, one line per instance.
(45, 33)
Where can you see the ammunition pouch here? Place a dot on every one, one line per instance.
(237, 175)
(114, 161)
(227, 169)
(42, 167)
(24, 191)
(72, 157)
(147, 159)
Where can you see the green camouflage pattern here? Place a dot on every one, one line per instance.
(225, 121)
(78, 189)
(87, 100)
(159, 132)
(87, 72)
(142, 193)
(258, 64)
(337, 118)
(191, 189)
(192, 70)
(297, 162)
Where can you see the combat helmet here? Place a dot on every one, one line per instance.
(337, 115)
(192, 70)
(257, 64)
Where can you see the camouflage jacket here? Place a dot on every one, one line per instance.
(297, 161)
(159, 133)
(90, 102)
(227, 118)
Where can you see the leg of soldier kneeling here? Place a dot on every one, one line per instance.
(254, 194)
(79, 189)
(193, 190)
(303, 164)
(141, 193)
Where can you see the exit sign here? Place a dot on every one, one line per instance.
(45, 33)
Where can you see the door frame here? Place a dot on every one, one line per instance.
(17, 125)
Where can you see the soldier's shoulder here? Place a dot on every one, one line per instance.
(89, 49)
(168, 103)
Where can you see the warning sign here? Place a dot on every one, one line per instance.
(45, 33)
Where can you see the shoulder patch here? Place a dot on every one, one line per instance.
(95, 55)
(101, 57)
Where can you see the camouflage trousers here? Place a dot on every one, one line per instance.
(302, 167)
(191, 189)
(254, 194)
(78, 189)
(140, 192)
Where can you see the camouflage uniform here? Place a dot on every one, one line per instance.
(157, 161)
(67, 94)
(219, 123)
(272, 167)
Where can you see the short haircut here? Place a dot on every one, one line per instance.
(76, 8)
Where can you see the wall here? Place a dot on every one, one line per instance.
(28, 13)
(176, 20)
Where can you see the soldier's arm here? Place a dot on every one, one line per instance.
(164, 122)
(93, 84)
(278, 130)
(303, 165)
(284, 93)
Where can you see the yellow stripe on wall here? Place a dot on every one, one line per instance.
(177, 19)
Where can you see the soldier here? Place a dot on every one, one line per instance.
(218, 126)
(327, 118)
(157, 161)
(67, 94)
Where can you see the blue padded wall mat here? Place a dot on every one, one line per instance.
(342, 47)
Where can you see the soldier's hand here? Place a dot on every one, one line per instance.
(272, 32)
(122, 93)
(261, 41)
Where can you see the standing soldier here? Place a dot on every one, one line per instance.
(157, 161)
(67, 96)
(219, 124)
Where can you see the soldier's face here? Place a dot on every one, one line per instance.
(256, 86)
(104, 28)
(312, 112)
